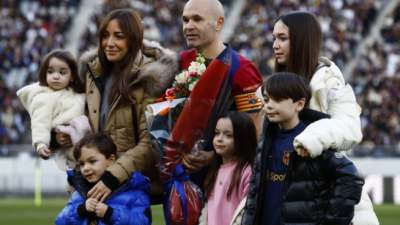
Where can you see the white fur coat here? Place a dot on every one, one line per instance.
(49, 108)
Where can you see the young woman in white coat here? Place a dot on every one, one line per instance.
(297, 45)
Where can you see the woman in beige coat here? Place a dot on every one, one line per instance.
(121, 78)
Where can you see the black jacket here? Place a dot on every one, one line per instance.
(323, 190)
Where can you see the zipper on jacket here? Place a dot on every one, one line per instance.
(286, 180)
(264, 158)
(98, 88)
(135, 123)
(94, 79)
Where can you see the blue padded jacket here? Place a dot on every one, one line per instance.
(131, 202)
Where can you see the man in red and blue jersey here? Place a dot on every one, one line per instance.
(202, 24)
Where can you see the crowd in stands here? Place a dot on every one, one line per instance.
(376, 81)
(162, 20)
(343, 23)
(28, 31)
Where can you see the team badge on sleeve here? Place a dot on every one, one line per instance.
(252, 99)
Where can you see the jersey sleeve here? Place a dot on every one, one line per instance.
(244, 87)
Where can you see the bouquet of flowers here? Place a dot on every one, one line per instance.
(182, 120)
(162, 115)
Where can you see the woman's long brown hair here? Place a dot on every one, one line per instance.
(245, 143)
(131, 25)
(305, 37)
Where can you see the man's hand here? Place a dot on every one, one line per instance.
(64, 140)
(194, 163)
(99, 192)
(91, 204)
(45, 153)
(101, 209)
(302, 152)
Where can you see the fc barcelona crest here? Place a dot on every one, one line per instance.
(252, 98)
(286, 155)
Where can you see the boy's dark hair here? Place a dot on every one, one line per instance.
(245, 139)
(287, 85)
(102, 141)
(69, 59)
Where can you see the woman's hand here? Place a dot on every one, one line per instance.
(99, 192)
(64, 140)
(45, 153)
(91, 204)
(194, 163)
(101, 209)
(302, 152)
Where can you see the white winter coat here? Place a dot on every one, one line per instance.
(332, 96)
(49, 108)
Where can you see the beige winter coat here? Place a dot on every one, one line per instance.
(48, 109)
(157, 68)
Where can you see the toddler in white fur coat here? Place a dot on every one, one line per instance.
(57, 99)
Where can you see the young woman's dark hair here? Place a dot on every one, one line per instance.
(132, 28)
(69, 59)
(287, 85)
(305, 37)
(245, 143)
(102, 141)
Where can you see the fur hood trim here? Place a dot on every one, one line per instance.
(156, 76)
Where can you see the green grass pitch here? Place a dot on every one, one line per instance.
(24, 212)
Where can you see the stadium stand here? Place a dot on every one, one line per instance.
(343, 25)
(376, 81)
(161, 18)
(28, 31)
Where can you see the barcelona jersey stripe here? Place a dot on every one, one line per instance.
(247, 102)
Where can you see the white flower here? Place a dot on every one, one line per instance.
(182, 77)
(202, 68)
(191, 86)
(195, 66)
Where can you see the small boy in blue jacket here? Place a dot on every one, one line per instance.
(128, 204)
(286, 188)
